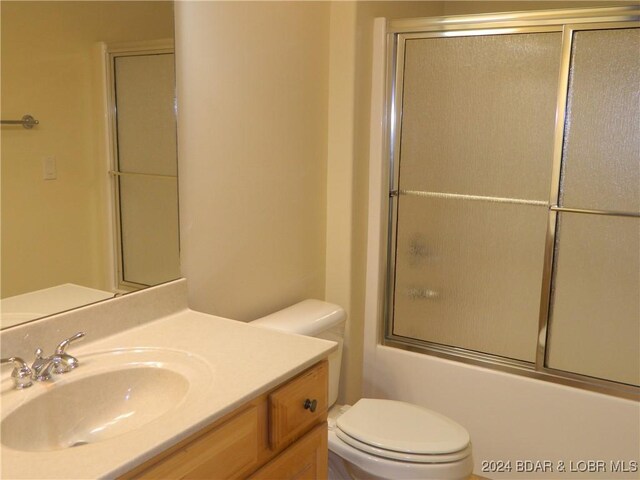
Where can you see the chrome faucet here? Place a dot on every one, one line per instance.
(43, 367)
(21, 373)
(67, 362)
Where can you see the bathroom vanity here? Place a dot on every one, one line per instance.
(165, 392)
(276, 435)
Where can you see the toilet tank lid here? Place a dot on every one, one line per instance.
(309, 317)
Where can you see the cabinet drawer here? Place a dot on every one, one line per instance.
(290, 406)
(228, 451)
(304, 460)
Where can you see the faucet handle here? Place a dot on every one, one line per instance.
(21, 373)
(65, 343)
(67, 362)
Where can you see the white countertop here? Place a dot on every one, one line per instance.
(244, 361)
(39, 303)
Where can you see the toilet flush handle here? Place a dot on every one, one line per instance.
(310, 405)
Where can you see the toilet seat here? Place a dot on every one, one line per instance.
(402, 431)
(403, 456)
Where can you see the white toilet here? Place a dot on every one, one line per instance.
(377, 439)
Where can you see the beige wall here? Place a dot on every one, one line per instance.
(350, 98)
(54, 231)
(273, 101)
(252, 139)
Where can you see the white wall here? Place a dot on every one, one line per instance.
(509, 417)
(252, 141)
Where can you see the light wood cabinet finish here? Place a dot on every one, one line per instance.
(287, 419)
(306, 459)
(273, 431)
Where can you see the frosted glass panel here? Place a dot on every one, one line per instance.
(602, 135)
(145, 90)
(149, 229)
(595, 321)
(478, 114)
(468, 274)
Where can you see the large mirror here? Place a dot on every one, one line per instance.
(89, 193)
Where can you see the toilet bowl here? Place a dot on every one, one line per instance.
(377, 439)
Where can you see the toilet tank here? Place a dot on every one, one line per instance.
(313, 318)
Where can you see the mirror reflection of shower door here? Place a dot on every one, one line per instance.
(145, 169)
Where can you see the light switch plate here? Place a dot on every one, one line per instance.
(49, 170)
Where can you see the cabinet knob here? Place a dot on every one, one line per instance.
(310, 405)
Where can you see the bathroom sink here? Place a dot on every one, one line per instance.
(119, 392)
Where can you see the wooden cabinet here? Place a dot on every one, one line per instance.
(306, 459)
(280, 435)
(298, 405)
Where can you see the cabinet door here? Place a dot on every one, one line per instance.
(304, 460)
(227, 451)
(290, 407)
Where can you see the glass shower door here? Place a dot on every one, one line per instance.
(514, 194)
(594, 326)
(476, 155)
